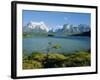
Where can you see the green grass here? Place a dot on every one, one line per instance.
(36, 34)
(39, 60)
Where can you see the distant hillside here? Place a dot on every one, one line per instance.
(83, 34)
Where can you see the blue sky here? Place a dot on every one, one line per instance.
(55, 19)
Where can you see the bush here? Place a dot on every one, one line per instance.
(56, 46)
(56, 56)
(54, 60)
(35, 56)
(38, 56)
(78, 59)
(29, 64)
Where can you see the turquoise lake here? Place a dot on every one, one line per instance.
(68, 44)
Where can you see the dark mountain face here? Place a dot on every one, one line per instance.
(83, 34)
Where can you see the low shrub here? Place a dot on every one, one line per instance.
(29, 64)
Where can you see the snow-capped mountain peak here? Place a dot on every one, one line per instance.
(38, 26)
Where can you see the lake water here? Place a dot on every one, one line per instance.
(69, 44)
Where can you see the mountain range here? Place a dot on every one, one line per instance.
(67, 28)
